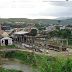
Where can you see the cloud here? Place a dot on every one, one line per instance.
(58, 9)
(34, 9)
(62, 3)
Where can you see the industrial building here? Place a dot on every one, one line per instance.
(5, 28)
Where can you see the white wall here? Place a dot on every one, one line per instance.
(62, 27)
(9, 41)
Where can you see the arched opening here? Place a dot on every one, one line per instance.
(6, 42)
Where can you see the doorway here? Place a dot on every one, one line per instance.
(6, 42)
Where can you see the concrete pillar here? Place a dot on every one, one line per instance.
(62, 43)
(15, 38)
(32, 41)
(23, 39)
(35, 44)
(46, 43)
(67, 45)
(57, 41)
(38, 42)
(26, 40)
(29, 41)
(19, 39)
(53, 41)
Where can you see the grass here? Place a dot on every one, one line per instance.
(8, 70)
(27, 57)
(43, 63)
(43, 21)
(8, 46)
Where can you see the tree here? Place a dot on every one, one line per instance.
(58, 28)
(37, 25)
(40, 28)
(59, 21)
(33, 32)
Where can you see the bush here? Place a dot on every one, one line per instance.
(42, 62)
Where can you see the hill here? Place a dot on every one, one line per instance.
(63, 18)
(42, 21)
(69, 19)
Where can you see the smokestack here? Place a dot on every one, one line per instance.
(0, 29)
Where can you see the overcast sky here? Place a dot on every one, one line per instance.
(35, 9)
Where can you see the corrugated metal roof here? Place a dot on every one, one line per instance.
(21, 32)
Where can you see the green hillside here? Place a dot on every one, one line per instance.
(43, 21)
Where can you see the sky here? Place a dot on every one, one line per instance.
(35, 9)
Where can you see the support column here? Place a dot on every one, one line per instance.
(32, 42)
(23, 39)
(19, 39)
(57, 41)
(38, 43)
(29, 41)
(15, 38)
(62, 43)
(67, 45)
(26, 40)
(53, 41)
(46, 45)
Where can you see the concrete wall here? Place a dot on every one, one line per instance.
(9, 42)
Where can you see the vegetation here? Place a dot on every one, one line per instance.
(42, 62)
(59, 21)
(40, 28)
(36, 21)
(69, 25)
(15, 25)
(63, 33)
(37, 25)
(33, 32)
(58, 28)
(8, 47)
(27, 57)
(8, 70)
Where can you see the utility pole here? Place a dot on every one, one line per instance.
(0, 28)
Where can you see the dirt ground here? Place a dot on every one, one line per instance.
(52, 52)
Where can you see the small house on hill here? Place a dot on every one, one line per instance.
(5, 41)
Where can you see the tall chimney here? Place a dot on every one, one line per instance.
(0, 29)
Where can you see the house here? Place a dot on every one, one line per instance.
(28, 29)
(50, 28)
(5, 28)
(5, 41)
(62, 27)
